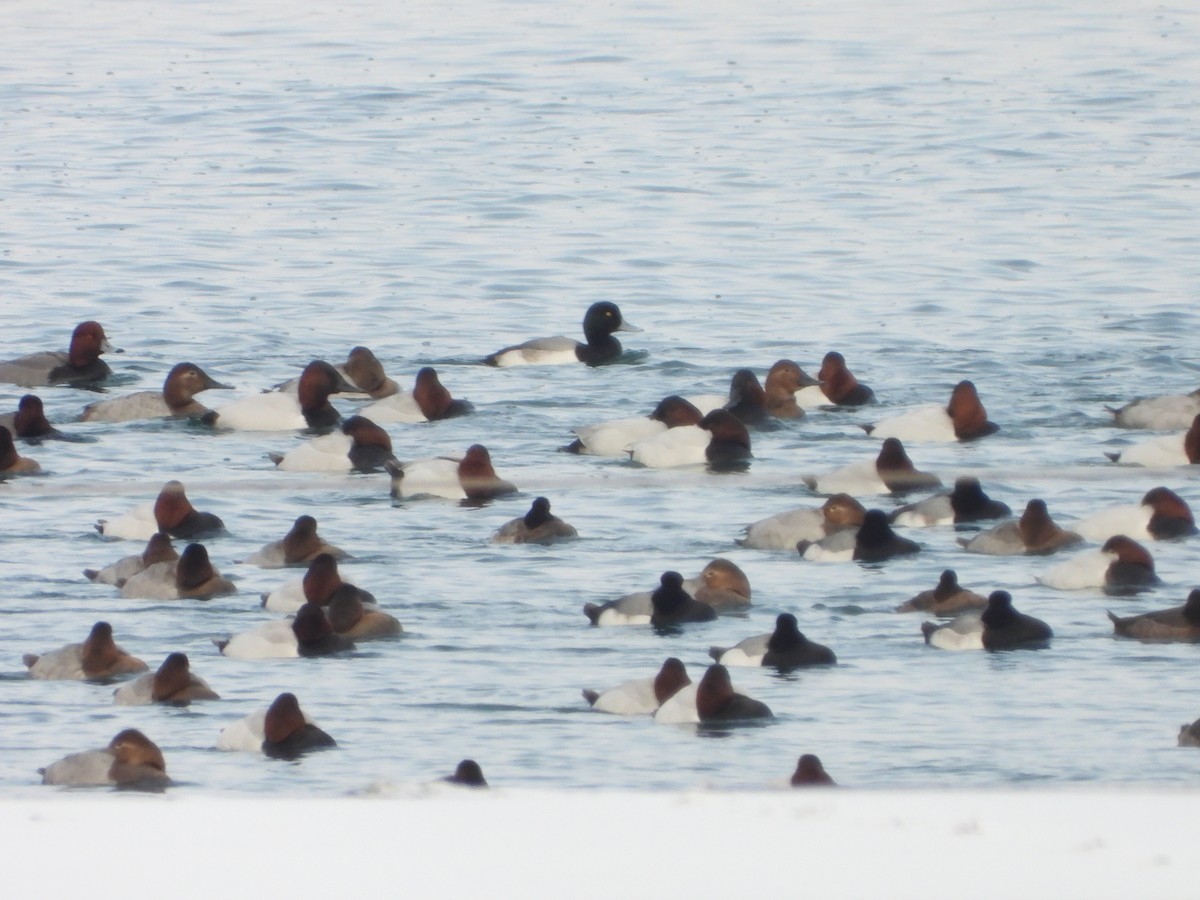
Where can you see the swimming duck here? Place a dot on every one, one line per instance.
(173, 684)
(359, 446)
(429, 401)
(29, 422)
(785, 648)
(947, 599)
(810, 773)
(964, 419)
(890, 472)
(283, 411)
(599, 323)
(11, 462)
(672, 605)
(1165, 412)
(538, 526)
(721, 584)
(191, 576)
(966, 503)
(612, 438)
(158, 549)
(716, 700)
(1179, 623)
(470, 477)
(317, 585)
(1181, 449)
(836, 385)
(130, 760)
(300, 546)
(176, 400)
(1034, 534)
(720, 440)
(1162, 515)
(641, 696)
(358, 621)
(287, 732)
(467, 773)
(98, 658)
(171, 512)
(79, 366)
(1120, 566)
(873, 541)
(998, 627)
(784, 530)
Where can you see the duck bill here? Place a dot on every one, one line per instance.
(625, 326)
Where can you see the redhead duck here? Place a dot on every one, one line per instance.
(1162, 515)
(1165, 412)
(720, 440)
(11, 462)
(131, 760)
(810, 773)
(357, 621)
(998, 627)
(1177, 624)
(1034, 534)
(429, 401)
(964, 419)
(191, 576)
(599, 323)
(287, 734)
(317, 585)
(642, 695)
(538, 526)
(171, 512)
(873, 541)
(309, 408)
(890, 472)
(176, 400)
(966, 503)
(783, 531)
(79, 366)
(359, 446)
(467, 773)
(158, 549)
(29, 422)
(785, 648)
(947, 599)
(721, 584)
(1120, 566)
(98, 658)
(1181, 449)
(716, 700)
(613, 438)
(173, 684)
(470, 477)
(300, 546)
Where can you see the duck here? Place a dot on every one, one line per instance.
(287, 732)
(170, 512)
(964, 419)
(810, 773)
(158, 549)
(1120, 566)
(836, 386)
(317, 585)
(176, 400)
(308, 633)
(890, 472)
(364, 370)
(1179, 449)
(785, 648)
(467, 773)
(247, 733)
(716, 700)
(1034, 534)
(538, 526)
(470, 477)
(600, 322)
(11, 462)
(173, 684)
(1189, 735)
(358, 621)
(949, 598)
(429, 401)
(131, 760)
(966, 503)
(1161, 515)
(97, 658)
(612, 438)
(784, 379)
(1165, 412)
(641, 696)
(358, 446)
(998, 627)
(308, 408)
(783, 530)
(721, 584)
(748, 400)
(29, 422)
(299, 547)
(1177, 624)
(720, 440)
(189, 577)
(873, 541)
(672, 605)
(78, 366)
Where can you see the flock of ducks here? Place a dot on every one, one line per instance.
(327, 615)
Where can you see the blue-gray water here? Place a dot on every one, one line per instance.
(994, 192)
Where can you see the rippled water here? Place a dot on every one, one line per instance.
(999, 193)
